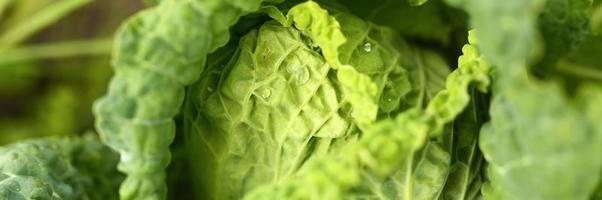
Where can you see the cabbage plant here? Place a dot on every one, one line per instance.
(353, 99)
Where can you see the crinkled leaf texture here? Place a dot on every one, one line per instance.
(282, 112)
(157, 53)
(384, 162)
(290, 92)
(59, 169)
(260, 111)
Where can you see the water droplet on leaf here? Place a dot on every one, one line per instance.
(368, 47)
(209, 89)
(126, 157)
(299, 73)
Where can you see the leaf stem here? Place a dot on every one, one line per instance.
(41, 19)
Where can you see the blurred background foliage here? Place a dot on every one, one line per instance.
(54, 61)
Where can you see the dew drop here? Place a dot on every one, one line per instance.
(265, 93)
(302, 76)
(210, 89)
(299, 73)
(368, 47)
(389, 99)
(126, 157)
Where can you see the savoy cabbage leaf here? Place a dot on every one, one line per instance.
(136, 116)
(537, 130)
(58, 169)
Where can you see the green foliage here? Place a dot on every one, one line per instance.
(325, 99)
(320, 104)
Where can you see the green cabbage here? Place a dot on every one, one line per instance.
(295, 92)
(275, 102)
(352, 100)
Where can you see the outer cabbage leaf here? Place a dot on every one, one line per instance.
(536, 133)
(158, 52)
(527, 151)
(58, 168)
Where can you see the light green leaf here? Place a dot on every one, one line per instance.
(537, 130)
(326, 32)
